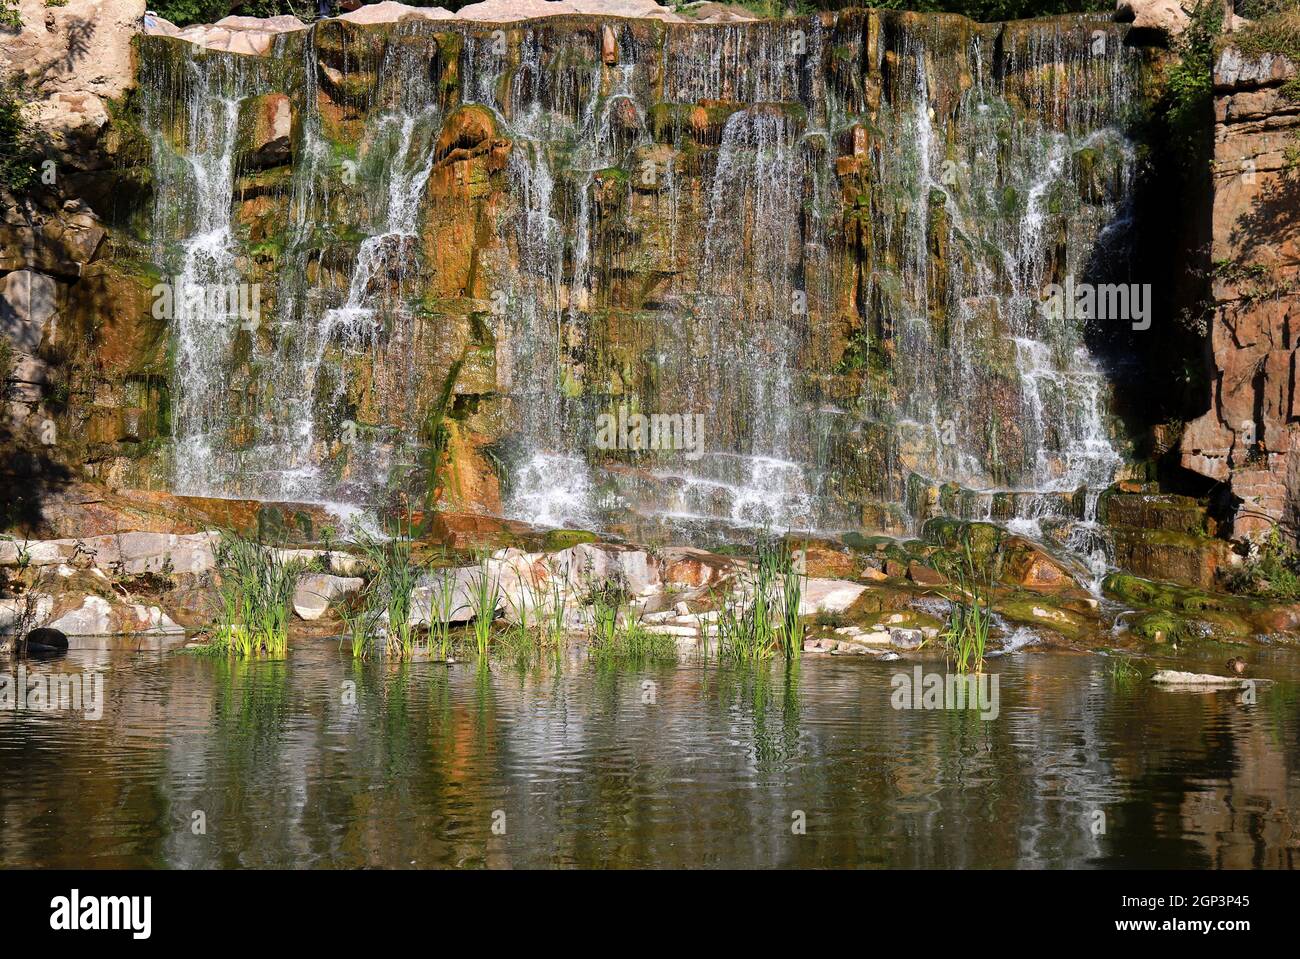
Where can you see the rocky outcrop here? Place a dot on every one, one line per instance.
(255, 36)
(72, 61)
(1248, 438)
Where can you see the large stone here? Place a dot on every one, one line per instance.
(451, 595)
(27, 302)
(828, 596)
(316, 591)
(1166, 15)
(98, 617)
(390, 12)
(590, 565)
(78, 57)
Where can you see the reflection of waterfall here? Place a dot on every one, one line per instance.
(827, 241)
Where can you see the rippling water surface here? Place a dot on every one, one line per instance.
(319, 761)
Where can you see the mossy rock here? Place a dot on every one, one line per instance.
(867, 544)
(1035, 611)
(562, 539)
(953, 534)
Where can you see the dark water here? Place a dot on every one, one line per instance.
(1078, 769)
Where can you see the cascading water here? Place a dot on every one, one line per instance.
(827, 242)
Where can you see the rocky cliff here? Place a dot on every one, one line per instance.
(1247, 439)
(460, 244)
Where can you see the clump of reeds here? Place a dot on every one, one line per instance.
(615, 634)
(255, 590)
(760, 616)
(484, 598)
(970, 618)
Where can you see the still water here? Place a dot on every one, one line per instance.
(199, 762)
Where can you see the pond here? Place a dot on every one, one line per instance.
(321, 761)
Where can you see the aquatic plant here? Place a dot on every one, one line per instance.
(255, 590)
(760, 615)
(386, 598)
(443, 606)
(1122, 670)
(970, 618)
(484, 598)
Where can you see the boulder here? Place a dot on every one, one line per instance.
(590, 565)
(686, 566)
(1173, 677)
(430, 596)
(27, 302)
(828, 596)
(77, 56)
(391, 12)
(98, 617)
(316, 591)
(1166, 15)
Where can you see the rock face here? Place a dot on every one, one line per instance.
(75, 58)
(1248, 438)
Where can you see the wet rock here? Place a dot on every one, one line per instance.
(43, 640)
(270, 135)
(906, 638)
(925, 576)
(1172, 677)
(316, 591)
(826, 560)
(1026, 565)
(695, 568)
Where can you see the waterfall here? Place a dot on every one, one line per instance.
(829, 243)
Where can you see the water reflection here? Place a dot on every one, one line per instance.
(324, 761)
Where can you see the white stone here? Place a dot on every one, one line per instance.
(15, 611)
(828, 596)
(27, 302)
(94, 618)
(391, 12)
(1173, 677)
(316, 591)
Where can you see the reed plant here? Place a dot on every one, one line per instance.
(254, 594)
(443, 606)
(966, 635)
(485, 596)
(387, 595)
(760, 616)
(617, 636)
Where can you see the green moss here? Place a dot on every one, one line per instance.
(561, 539)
